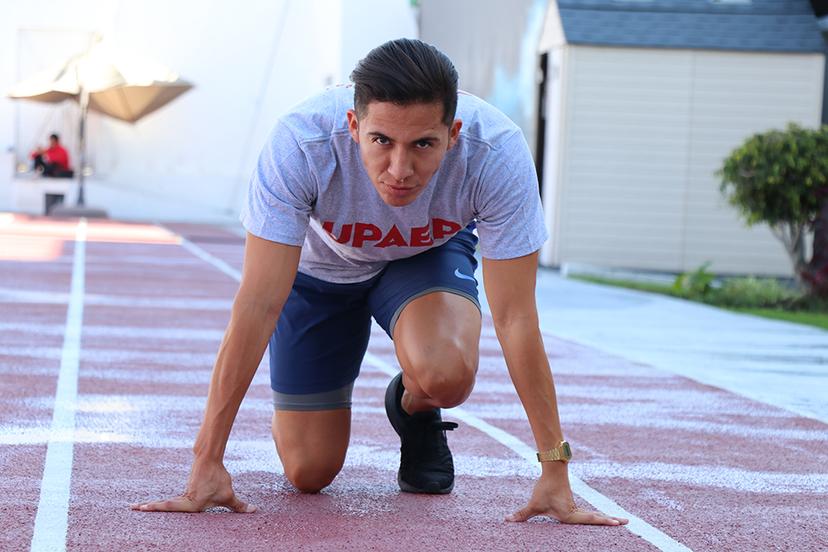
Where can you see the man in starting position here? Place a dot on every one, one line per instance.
(363, 205)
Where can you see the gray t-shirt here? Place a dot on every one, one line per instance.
(310, 188)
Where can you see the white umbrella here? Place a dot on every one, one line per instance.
(101, 79)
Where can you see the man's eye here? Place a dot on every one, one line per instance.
(381, 140)
(423, 144)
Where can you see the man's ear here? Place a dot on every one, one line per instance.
(454, 132)
(353, 125)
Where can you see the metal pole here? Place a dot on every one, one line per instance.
(17, 122)
(84, 108)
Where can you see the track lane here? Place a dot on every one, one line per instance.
(41, 259)
(55, 486)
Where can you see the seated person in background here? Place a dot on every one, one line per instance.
(53, 161)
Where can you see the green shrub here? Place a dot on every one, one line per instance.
(695, 285)
(809, 303)
(749, 292)
(754, 293)
(780, 178)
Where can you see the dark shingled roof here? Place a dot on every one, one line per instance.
(753, 25)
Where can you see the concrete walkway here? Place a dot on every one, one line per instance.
(777, 363)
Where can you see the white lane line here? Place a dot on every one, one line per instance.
(133, 332)
(9, 295)
(53, 508)
(637, 525)
(215, 261)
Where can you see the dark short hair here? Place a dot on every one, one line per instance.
(54, 137)
(406, 71)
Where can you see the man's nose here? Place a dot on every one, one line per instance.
(401, 165)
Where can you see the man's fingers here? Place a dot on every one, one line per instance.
(523, 514)
(185, 504)
(178, 504)
(241, 507)
(576, 516)
(592, 518)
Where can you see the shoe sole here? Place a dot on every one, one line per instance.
(391, 402)
(406, 488)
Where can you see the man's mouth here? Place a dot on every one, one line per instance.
(399, 187)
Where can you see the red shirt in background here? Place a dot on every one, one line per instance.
(58, 155)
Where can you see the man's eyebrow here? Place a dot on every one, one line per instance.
(426, 138)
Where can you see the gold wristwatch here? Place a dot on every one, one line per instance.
(561, 453)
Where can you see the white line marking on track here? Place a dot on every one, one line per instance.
(53, 508)
(8, 295)
(636, 526)
(165, 333)
(215, 261)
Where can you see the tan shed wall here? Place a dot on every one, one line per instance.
(643, 133)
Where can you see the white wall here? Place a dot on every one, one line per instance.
(249, 63)
(366, 24)
(645, 131)
(493, 45)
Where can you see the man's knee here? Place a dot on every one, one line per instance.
(311, 445)
(445, 373)
(311, 476)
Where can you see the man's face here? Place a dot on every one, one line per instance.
(402, 146)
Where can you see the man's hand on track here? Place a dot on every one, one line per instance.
(209, 486)
(552, 497)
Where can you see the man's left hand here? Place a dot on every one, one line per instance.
(552, 497)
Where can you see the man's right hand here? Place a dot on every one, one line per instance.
(209, 486)
(267, 277)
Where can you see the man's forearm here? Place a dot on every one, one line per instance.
(529, 369)
(238, 358)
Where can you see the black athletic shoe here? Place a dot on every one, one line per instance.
(426, 465)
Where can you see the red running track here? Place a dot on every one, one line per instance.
(699, 468)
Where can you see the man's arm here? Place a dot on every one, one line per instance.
(510, 290)
(267, 278)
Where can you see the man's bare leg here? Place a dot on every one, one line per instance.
(437, 339)
(312, 445)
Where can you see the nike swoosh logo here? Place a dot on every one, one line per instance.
(463, 276)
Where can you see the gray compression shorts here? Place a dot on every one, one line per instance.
(326, 400)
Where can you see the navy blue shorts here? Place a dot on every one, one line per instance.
(324, 327)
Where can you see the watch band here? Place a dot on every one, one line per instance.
(561, 453)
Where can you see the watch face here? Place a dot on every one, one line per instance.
(567, 452)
